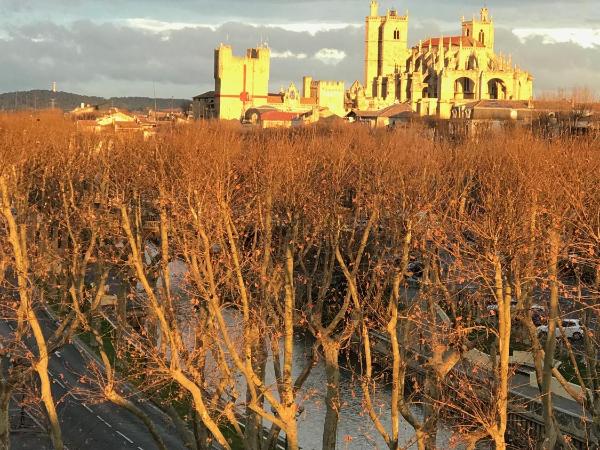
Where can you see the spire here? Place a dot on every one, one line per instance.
(485, 14)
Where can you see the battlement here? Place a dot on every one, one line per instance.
(225, 52)
(392, 15)
(258, 53)
(328, 84)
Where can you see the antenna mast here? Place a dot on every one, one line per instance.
(53, 99)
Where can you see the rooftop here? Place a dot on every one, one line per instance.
(278, 115)
(502, 104)
(467, 41)
(390, 111)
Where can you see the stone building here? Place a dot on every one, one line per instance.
(203, 106)
(438, 73)
(325, 94)
(240, 82)
(242, 85)
(386, 49)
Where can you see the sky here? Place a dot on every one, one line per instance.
(134, 47)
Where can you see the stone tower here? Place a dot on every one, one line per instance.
(240, 82)
(386, 48)
(481, 30)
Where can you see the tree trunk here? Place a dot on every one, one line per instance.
(550, 437)
(119, 400)
(332, 400)
(184, 432)
(292, 436)
(4, 417)
(18, 241)
(46, 395)
(503, 297)
(201, 434)
(427, 438)
(254, 423)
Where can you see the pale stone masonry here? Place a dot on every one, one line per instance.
(240, 82)
(433, 77)
(436, 74)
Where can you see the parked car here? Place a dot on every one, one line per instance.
(571, 327)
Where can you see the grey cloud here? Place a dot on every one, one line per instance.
(107, 59)
(509, 12)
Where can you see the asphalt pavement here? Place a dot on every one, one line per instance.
(88, 425)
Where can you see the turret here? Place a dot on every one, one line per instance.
(485, 15)
(374, 8)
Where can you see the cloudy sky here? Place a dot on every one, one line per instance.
(125, 47)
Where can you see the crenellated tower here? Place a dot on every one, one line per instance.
(240, 82)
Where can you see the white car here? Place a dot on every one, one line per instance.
(571, 327)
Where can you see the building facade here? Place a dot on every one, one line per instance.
(439, 72)
(240, 82)
(242, 85)
(325, 94)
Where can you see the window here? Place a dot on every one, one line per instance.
(397, 34)
(482, 37)
(468, 32)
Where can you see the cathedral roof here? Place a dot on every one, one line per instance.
(467, 41)
(502, 104)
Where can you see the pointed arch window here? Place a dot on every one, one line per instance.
(482, 37)
(397, 34)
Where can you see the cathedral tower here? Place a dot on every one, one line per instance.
(386, 47)
(373, 25)
(481, 30)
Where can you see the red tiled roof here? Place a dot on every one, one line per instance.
(308, 101)
(278, 115)
(467, 41)
(274, 98)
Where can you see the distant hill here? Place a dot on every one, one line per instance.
(67, 101)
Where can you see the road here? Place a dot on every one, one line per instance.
(93, 426)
